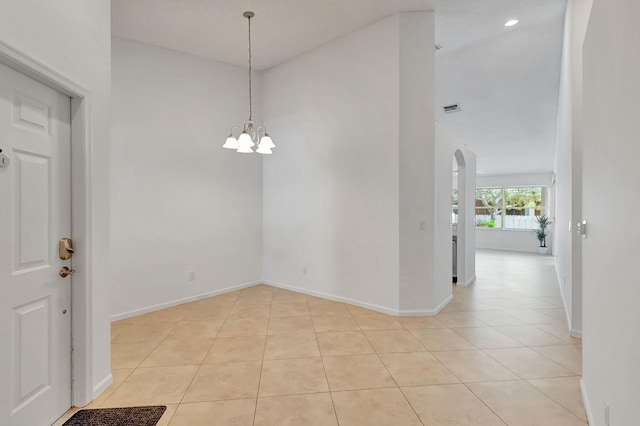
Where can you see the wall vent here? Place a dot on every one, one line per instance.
(450, 109)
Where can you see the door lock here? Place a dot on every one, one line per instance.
(4, 160)
(65, 248)
(65, 272)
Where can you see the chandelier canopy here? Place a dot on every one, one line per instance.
(250, 135)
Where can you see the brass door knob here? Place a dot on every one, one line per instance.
(65, 272)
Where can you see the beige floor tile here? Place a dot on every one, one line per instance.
(130, 354)
(154, 385)
(237, 412)
(254, 299)
(565, 391)
(450, 405)
(247, 311)
(178, 352)
(569, 356)
(117, 328)
(384, 341)
(459, 319)
(208, 313)
(291, 346)
(236, 349)
(441, 339)
(217, 301)
(377, 322)
(119, 376)
(291, 325)
(530, 316)
(296, 410)
(417, 323)
(280, 310)
(343, 343)
(172, 314)
(284, 296)
(167, 415)
(374, 407)
(353, 309)
(349, 372)
(188, 330)
(474, 366)
(292, 376)
(561, 331)
(327, 307)
(324, 323)
(417, 368)
(529, 335)
(244, 327)
(145, 332)
(493, 318)
(487, 337)
(520, 404)
(527, 363)
(234, 380)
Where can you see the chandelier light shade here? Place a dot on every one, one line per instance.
(249, 135)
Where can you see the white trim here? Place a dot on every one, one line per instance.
(335, 298)
(468, 282)
(373, 307)
(576, 333)
(102, 386)
(564, 301)
(586, 402)
(81, 217)
(427, 312)
(164, 305)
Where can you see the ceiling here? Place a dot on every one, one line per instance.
(505, 79)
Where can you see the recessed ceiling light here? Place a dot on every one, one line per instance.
(511, 23)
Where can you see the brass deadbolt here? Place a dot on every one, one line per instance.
(65, 272)
(65, 248)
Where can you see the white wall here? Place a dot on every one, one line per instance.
(331, 192)
(335, 199)
(515, 240)
(73, 38)
(610, 252)
(568, 164)
(425, 174)
(465, 181)
(180, 202)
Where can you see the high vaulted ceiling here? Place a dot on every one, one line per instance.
(505, 79)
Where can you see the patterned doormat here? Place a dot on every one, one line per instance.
(129, 416)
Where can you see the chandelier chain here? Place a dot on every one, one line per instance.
(250, 98)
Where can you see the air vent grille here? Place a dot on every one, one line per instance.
(450, 109)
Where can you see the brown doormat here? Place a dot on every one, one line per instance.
(129, 416)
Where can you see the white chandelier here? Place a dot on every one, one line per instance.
(250, 135)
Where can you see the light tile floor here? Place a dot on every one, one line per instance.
(498, 354)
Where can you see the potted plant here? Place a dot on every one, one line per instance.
(541, 233)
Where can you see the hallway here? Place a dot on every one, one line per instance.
(498, 354)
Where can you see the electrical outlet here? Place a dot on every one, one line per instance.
(192, 275)
(304, 270)
(606, 414)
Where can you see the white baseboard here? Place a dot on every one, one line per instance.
(576, 333)
(586, 402)
(427, 312)
(373, 307)
(176, 302)
(467, 282)
(100, 387)
(335, 298)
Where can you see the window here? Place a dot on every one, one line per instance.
(511, 207)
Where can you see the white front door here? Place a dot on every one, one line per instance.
(35, 212)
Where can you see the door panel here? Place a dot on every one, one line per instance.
(35, 212)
